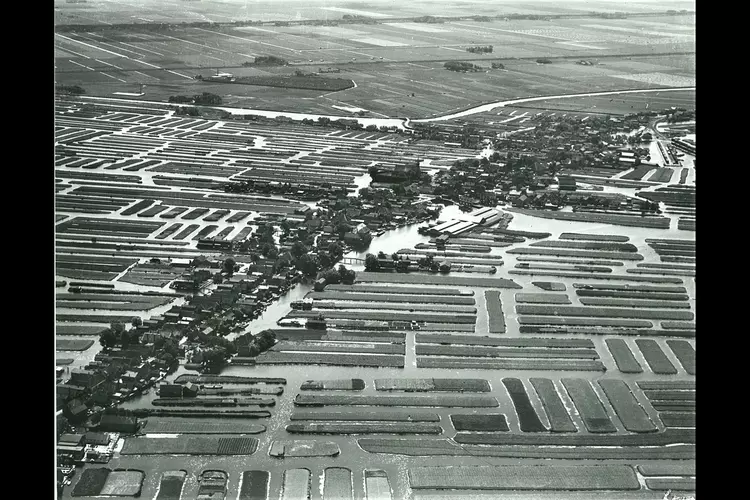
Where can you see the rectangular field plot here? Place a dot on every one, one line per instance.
(623, 356)
(630, 412)
(589, 406)
(475, 422)
(190, 446)
(527, 416)
(558, 415)
(655, 357)
(254, 485)
(417, 401)
(337, 484)
(432, 384)
(520, 477)
(170, 486)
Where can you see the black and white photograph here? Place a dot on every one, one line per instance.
(374, 249)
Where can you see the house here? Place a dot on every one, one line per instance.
(118, 423)
(566, 183)
(72, 440)
(85, 378)
(96, 438)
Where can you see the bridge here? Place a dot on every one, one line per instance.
(352, 260)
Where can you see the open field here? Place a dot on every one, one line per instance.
(397, 65)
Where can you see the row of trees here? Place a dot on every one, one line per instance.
(482, 49)
(204, 99)
(461, 66)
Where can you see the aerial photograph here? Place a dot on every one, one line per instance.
(374, 249)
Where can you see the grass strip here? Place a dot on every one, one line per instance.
(377, 486)
(667, 470)
(428, 279)
(618, 294)
(73, 344)
(668, 437)
(348, 384)
(655, 357)
(422, 338)
(200, 426)
(675, 385)
(489, 422)
(632, 415)
(391, 316)
(564, 252)
(557, 330)
(367, 306)
(388, 290)
(296, 484)
(647, 303)
(623, 356)
(590, 408)
(551, 320)
(525, 477)
(685, 353)
(91, 482)
(505, 352)
(542, 298)
(594, 237)
(170, 486)
(392, 297)
(618, 277)
(496, 317)
(337, 484)
(558, 415)
(369, 415)
(550, 286)
(527, 417)
(254, 485)
(630, 287)
(364, 428)
(608, 246)
(678, 419)
(345, 347)
(671, 484)
(674, 406)
(435, 400)
(606, 312)
(298, 448)
(432, 384)
(678, 325)
(444, 447)
(511, 364)
(227, 379)
(292, 358)
(669, 395)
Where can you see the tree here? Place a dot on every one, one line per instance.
(371, 263)
(229, 265)
(107, 339)
(331, 276)
(117, 328)
(136, 321)
(336, 249)
(299, 249)
(308, 264)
